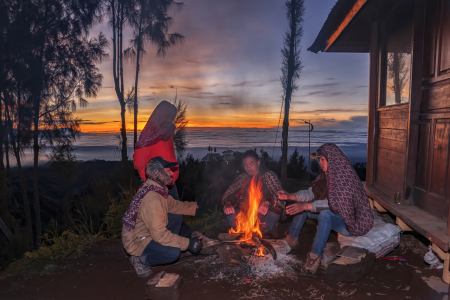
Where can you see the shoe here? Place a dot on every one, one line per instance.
(292, 242)
(311, 265)
(142, 270)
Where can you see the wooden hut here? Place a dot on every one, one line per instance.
(409, 106)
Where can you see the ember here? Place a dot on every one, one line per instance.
(247, 221)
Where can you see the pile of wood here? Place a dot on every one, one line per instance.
(231, 250)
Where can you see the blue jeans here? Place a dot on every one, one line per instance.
(327, 221)
(267, 222)
(156, 254)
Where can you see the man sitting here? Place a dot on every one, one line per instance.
(236, 197)
(153, 232)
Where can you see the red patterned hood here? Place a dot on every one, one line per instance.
(346, 194)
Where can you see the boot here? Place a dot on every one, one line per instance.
(311, 265)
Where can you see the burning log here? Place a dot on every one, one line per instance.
(229, 236)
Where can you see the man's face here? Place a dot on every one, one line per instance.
(169, 172)
(251, 165)
(323, 163)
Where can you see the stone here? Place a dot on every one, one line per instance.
(329, 253)
(351, 272)
(427, 284)
(164, 286)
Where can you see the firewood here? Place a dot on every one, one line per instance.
(229, 236)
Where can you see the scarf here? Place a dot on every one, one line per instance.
(346, 194)
(159, 126)
(154, 171)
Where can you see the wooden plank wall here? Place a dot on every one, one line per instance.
(391, 151)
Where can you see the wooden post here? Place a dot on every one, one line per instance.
(5, 230)
(414, 105)
(373, 100)
(445, 256)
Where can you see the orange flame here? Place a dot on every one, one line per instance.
(247, 220)
(260, 252)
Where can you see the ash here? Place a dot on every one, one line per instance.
(210, 268)
(267, 267)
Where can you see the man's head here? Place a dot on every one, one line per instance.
(160, 170)
(251, 162)
(322, 160)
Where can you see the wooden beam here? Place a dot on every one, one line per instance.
(5, 230)
(446, 258)
(373, 96)
(414, 106)
(356, 7)
(432, 228)
(402, 225)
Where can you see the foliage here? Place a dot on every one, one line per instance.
(297, 168)
(209, 222)
(69, 243)
(180, 136)
(113, 218)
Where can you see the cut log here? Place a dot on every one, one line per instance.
(232, 254)
(164, 286)
(229, 236)
(280, 246)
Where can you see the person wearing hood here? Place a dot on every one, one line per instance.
(156, 139)
(153, 232)
(341, 204)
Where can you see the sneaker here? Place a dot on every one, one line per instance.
(142, 270)
(311, 265)
(292, 242)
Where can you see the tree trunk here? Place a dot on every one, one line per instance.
(23, 186)
(287, 99)
(136, 87)
(37, 206)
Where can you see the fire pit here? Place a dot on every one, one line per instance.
(244, 246)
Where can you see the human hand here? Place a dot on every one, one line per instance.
(228, 209)
(283, 195)
(263, 208)
(195, 245)
(296, 208)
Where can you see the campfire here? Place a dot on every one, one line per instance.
(248, 236)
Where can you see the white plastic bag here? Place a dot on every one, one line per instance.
(381, 239)
(431, 259)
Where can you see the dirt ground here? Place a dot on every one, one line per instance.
(103, 272)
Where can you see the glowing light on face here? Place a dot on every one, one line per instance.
(251, 165)
(323, 163)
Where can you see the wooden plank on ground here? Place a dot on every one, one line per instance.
(424, 223)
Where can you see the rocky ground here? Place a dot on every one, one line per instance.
(103, 272)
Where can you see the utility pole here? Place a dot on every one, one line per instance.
(310, 128)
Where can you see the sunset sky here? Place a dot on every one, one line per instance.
(228, 70)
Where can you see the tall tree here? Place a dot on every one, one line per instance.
(150, 21)
(291, 68)
(119, 12)
(61, 61)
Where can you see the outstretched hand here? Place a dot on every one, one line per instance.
(264, 208)
(297, 208)
(283, 195)
(228, 209)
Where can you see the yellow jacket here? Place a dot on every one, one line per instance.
(151, 223)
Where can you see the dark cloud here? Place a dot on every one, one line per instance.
(157, 87)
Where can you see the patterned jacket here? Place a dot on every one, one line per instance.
(271, 185)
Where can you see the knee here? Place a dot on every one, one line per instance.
(172, 254)
(325, 215)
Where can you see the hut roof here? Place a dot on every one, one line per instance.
(347, 28)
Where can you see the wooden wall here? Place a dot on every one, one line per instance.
(391, 150)
(432, 184)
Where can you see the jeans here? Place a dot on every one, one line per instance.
(327, 221)
(299, 221)
(267, 222)
(156, 254)
(173, 191)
